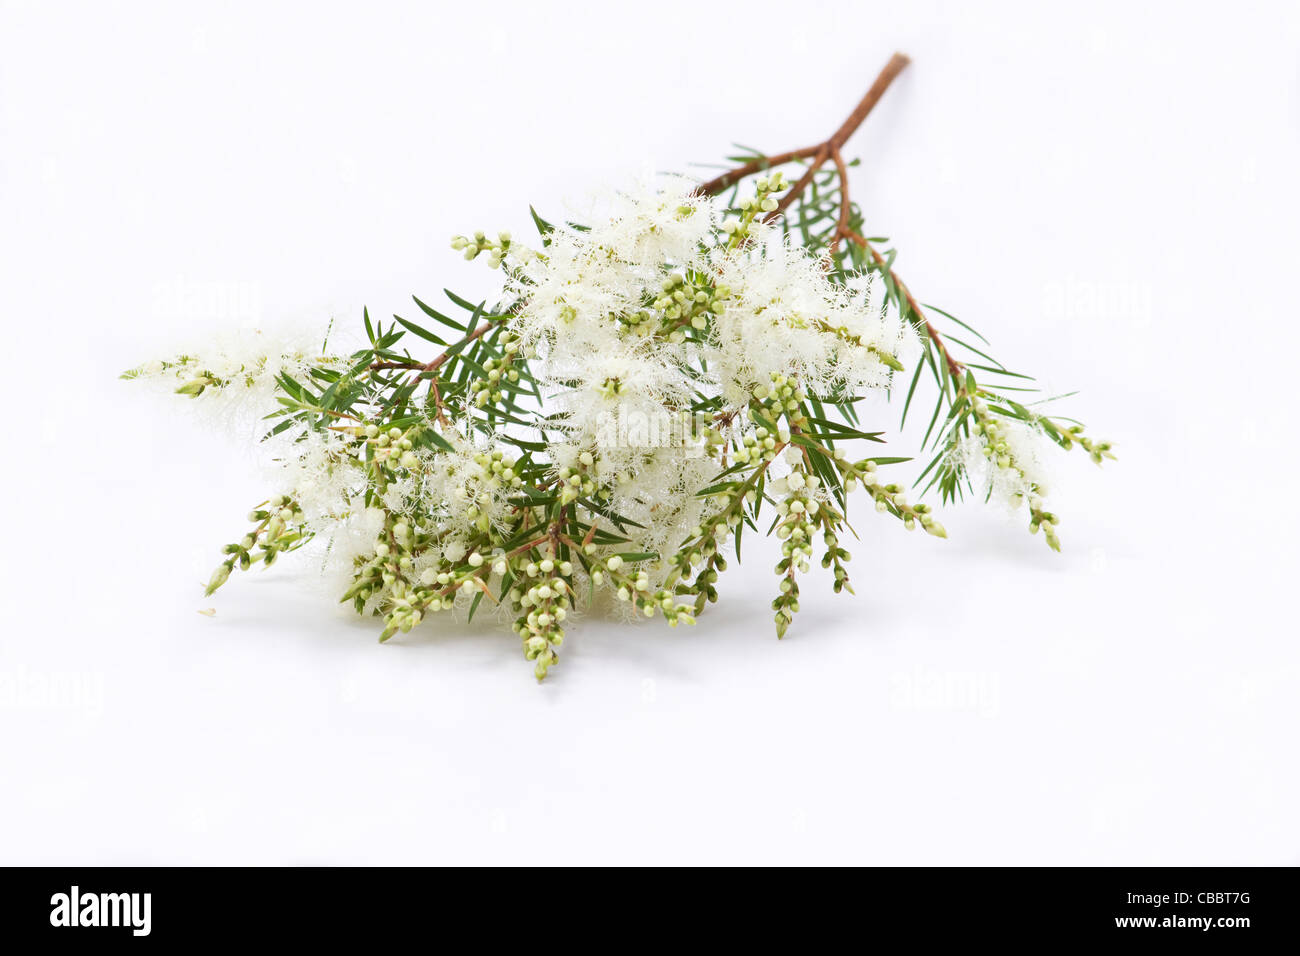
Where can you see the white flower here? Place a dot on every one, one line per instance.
(322, 471)
(663, 221)
(786, 318)
(604, 312)
(1010, 476)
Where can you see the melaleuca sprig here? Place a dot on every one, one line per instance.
(279, 526)
(645, 386)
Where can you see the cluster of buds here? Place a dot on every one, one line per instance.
(476, 245)
(998, 451)
(835, 556)
(760, 445)
(799, 509)
(389, 573)
(684, 303)
(771, 403)
(386, 572)
(394, 447)
(406, 608)
(799, 506)
(574, 483)
(995, 445)
(703, 549)
(543, 593)
(640, 321)
(498, 473)
(498, 372)
(889, 498)
(435, 591)
(1097, 451)
(784, 396)
(279, 526)
(785, 604)
(752, 207)
(1041, 518)
(634, 586)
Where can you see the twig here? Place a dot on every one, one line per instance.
(955, 368)
(442, 359)
(436, 395)
(846, 204)
(819, 153)
(436, 364)
(733, 176)
(897, 63)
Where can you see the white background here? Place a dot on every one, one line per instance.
(1108, 192)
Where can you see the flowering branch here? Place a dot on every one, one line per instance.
(967, 433)
(645, 386)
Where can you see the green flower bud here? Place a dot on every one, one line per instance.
(219, 577)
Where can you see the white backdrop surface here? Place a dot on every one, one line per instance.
(1107, 192)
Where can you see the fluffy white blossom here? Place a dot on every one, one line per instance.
(786, 318)
(657, 221)
(320, 470)
(657, 306)
(460, 486)
(1014, 471)
(238, 373)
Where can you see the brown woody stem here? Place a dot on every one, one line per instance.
(733, 176)
(829, 151)
(819, 153)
